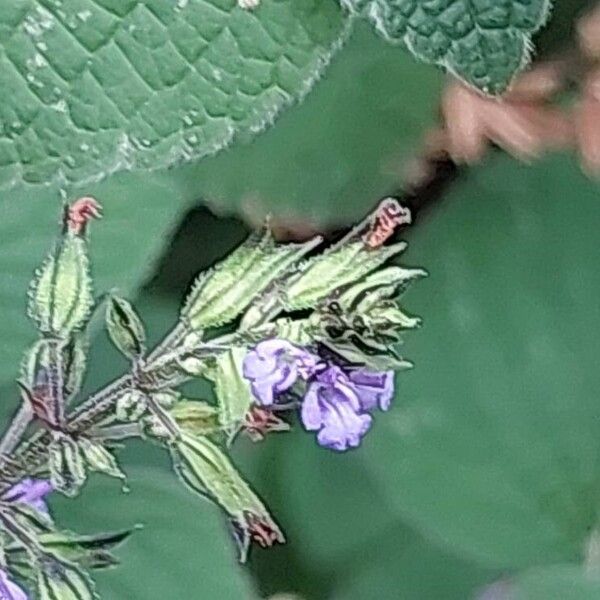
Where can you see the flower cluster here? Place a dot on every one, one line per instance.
(335, 402)
(273, 327)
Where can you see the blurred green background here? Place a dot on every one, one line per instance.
(488, 466)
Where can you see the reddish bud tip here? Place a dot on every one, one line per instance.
(81, 212)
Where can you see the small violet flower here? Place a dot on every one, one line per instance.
(30, 491)
(274, 366)
(9, 590)
(337, 404)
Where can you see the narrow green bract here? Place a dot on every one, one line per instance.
(232, 389)
(61, 293)
(63, 581)
(224, 292)
(66, 464)
(321, 275)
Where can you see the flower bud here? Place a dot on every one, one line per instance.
(125, 327)
(131, 406)
(60, 298)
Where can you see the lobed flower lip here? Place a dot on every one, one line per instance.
(337, 404)
(274, 366)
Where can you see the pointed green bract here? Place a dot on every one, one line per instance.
(191, 416)
(206, 470)
(322, 275)
(61, 292)
(484, 43)
(90, 551)
(386, 283)
(99, 459)
(66, 464)
(125, 327)
(63, 581)
(232, 389)
(225, 291)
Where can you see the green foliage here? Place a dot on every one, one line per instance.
(493, 443)
(222, 293)
(102, 87)
(483, 43)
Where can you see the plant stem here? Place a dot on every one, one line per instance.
(97, 410)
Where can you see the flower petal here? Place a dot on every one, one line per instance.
(9, 590)
(256, 366)
(30, 491)
(311, 409)
(342, 428)
(373, 388)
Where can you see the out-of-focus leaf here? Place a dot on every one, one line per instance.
(483, 43)
(492, 442)
(99, 87)
(344, 538)
(183, 546)
(353, 139)
(557, 582)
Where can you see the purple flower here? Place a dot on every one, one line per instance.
(32, 492)
(375, 389)
(9, 590)
(274, 365)
(337, 404)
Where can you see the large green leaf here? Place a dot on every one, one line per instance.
(493, 444)
(183, 550)
(558, 582)
(344, 538)
(329, 160)
(98, 86)
(485, 43)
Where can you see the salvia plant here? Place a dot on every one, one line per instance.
(274, 327)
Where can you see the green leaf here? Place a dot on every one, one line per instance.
(66, 465)
(91, 551)
(192, 416)
(353, 139)
(206, 470)
(491, 445)
(102, 87)
(98, 458)
(483, 43)
(344, 538)
(220, 294)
